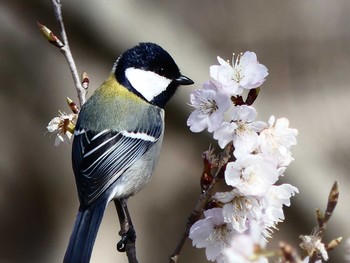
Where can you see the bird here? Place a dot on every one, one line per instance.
(117, 140)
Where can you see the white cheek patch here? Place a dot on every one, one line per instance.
(147, 83)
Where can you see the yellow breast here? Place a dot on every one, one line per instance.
(111, 89)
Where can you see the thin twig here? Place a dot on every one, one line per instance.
(194, 217)
(322, 220)
(67, 52)
(201, 203)
(131, 252)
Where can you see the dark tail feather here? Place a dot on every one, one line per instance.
(84, 233)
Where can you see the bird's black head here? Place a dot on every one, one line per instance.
(150, 72)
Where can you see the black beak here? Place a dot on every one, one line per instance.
(182, 80)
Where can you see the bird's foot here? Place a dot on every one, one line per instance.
(129, 236)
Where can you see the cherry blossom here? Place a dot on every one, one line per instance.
(244, 73)
(251, 175)
(63, 126)
(211, 233)
(242, 130)
(245, 215)
(277, 139)
(210, 106)
(242, 251)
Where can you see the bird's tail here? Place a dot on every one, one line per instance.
(84, 233)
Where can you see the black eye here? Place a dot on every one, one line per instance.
(161, 71)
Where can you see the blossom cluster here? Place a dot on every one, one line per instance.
(63, 125)
(244, 217)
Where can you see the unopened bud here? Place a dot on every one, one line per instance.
(72, 106)
(332, 201)
(237, 101)
(252, 96)
(85, 80)
(47, 33)
(334, 243)
(320, 217)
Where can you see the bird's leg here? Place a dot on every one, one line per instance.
(130, 235)
(127, 231)
(122, 217)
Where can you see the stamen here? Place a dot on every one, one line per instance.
(208, 106)
(237, 68)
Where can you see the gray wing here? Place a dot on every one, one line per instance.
(99, 158)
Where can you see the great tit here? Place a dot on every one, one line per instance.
(118, 137)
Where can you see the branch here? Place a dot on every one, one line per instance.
(311, 243)
(64, 48)
(207, 192)
(67, 53)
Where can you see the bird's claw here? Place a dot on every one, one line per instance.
(129, 236)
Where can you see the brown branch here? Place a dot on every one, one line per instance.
(193, 218)
(204, 198)
(64, 48)
(322, 220)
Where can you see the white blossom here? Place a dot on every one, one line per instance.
(277, 139)
(246, 139)
(242, 251)
(211, 233)
(244, 73)
(307, 260)
(273, 201)
(63, 125)
(225, 133)
(313, 243)
(251, 175)
(244, 113)
(242, 130)
(248, 213)
(237, 209)
(210, 106)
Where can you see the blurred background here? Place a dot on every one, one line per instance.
(304, 44)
